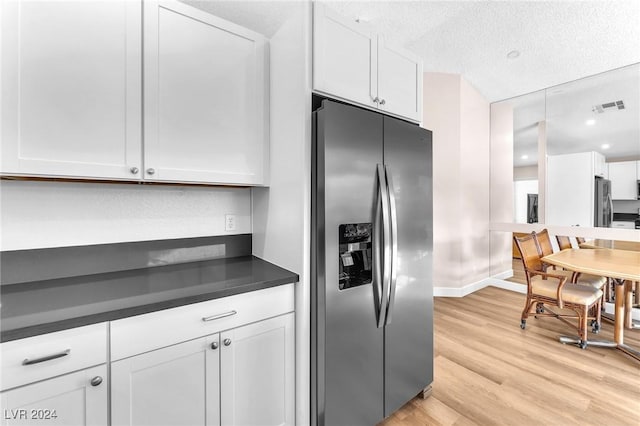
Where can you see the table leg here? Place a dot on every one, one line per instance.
(628, 304)
(618, 331)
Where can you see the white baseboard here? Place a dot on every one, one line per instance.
(475, 286)
(499, 282)
(610, 309)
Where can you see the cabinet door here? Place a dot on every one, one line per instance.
(344, 57)
(65, 400)
(168, 386)
(399, 81)
(623, 180)
(570, 200)
(257, 373)
(206, 83)
(71, 88)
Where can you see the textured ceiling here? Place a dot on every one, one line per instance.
(559, 41)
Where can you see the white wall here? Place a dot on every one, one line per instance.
(526, 173)
(56, 214)
(501, 194)
(281, 213)
(521, 189)
(459, 118)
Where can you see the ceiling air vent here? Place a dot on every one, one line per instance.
(609, 105)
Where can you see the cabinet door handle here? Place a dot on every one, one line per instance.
(218, 316)
(96, 381)
(227, 342)
(28, 361)
(214, 345)
(134, 170)
(151, 171)
(382, 102)
(376, 100)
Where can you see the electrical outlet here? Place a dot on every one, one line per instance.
(229, 222)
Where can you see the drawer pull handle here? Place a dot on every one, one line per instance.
(215, 317)
(46, 358)
(96, 381)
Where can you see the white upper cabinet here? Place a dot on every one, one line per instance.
(623, 176)
(344, 57)
(71, 88)
(206, 95)
(353, 63)
(399, 81)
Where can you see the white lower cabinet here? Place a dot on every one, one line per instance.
(78, 398)
(242, 376)
(257, 373)
(176, 385)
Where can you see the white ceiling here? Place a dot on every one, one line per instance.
(567, 108)
(559, 41)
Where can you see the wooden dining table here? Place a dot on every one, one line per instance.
(619, 265)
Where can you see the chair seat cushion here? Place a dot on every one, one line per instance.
(585, 279)
(571, 293)
(594, 281)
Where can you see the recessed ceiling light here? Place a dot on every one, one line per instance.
(590, 122)
(605, 146)
(513, 54)
(524, 157)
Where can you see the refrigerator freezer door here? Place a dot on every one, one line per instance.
(347, 377)
(409, 336)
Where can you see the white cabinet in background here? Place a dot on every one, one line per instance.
(78, 398)
(570, 199)
(352, 62)
(71, 89)
(600, 167)
(206, 98)
(623, 225)
(624, 178)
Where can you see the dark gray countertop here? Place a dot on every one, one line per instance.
(625, 217)
(38, 307)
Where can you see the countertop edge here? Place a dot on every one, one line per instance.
(35, 330)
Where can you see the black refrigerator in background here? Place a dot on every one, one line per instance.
(372, 248)
(603, 213)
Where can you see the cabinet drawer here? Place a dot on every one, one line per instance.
(142, 333)
(623, 225)
(36, 358)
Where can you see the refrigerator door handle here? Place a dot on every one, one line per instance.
(394, 244)
(384, 274)
(610, 209)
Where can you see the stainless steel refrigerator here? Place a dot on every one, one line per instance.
(372, 239)
(603, 214)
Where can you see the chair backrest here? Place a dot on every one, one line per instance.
(563, 242)
(580, 240)
(544, 242)
(529, 252)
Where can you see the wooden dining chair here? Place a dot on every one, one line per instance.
(544, 244)
(600, 282)
(546, 289)
(564, 242)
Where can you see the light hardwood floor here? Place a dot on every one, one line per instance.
(490, 372)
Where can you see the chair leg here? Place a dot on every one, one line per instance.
(525, 313)
(597, 322)
(583, 326)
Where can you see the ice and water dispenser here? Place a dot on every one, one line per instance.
(354, 241)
